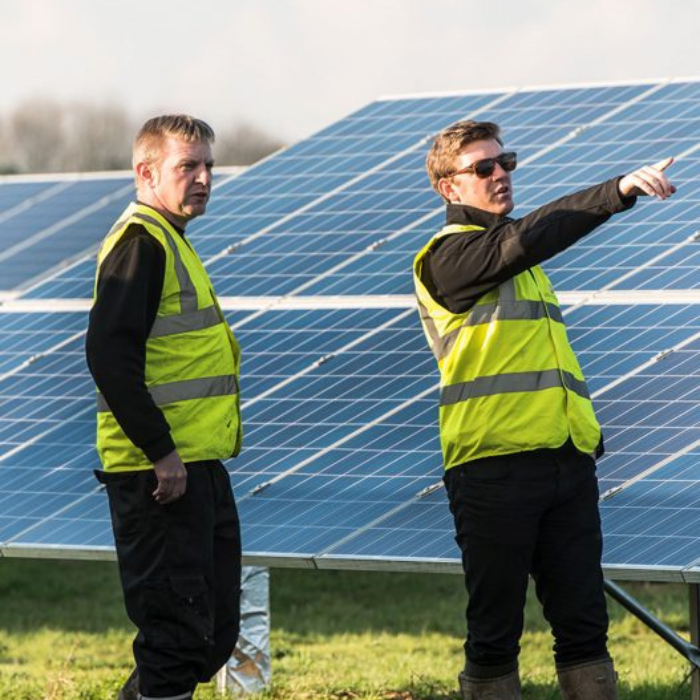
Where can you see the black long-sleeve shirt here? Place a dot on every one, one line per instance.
(128, 295)
(459, 270)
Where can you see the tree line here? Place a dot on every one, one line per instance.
(42, 136)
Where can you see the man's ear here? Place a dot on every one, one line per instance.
(446, 189)
(147, 173)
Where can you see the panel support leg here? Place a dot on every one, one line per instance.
(688, 649)
(694, 594)
(249, 670)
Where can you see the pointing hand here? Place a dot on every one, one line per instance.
(649, 180)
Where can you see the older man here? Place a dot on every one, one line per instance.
(166, 366)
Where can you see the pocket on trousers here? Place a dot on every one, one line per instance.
(130, 501)
(193, 600)
(479, 486)
(178, 613)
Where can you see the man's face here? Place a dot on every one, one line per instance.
(493, 193)
(180, 180)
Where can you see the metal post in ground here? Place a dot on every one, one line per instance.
(249, 670)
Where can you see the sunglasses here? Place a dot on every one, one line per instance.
(485, 167)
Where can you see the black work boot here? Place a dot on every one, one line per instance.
(594, 680)
(130, 689)
(502, 688)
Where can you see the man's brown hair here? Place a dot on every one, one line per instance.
(180, 126)
(450, 142)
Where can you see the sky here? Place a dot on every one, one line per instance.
(291, 67)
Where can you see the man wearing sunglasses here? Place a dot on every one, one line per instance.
(517, 426)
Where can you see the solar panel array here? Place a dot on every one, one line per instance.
(311, 252)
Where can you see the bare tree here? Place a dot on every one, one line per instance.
(7, 165)
(243, 145)
(45, 136)
(97, 138)
(36, 133)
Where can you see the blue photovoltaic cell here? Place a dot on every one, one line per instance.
(75, 282)
(292, 179)
(650, 416)
(329, 232)
(40, 494)
(54, 228)
(83, 525)
(17, 195)
(25, 335)
(421, 530)
(279, 344)
(654, 523)
(664, 123)
(347, 487)
(611, 341)
(48, 408)
(341, 395)
(290, 258)
(394, 538)
(52, 397)
(47, 433)
(303, 499)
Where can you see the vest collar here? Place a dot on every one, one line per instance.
(465, 215)
(181, 231)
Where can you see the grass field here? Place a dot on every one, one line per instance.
(335, 635)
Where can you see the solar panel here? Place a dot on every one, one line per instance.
(313, 209)
(48, 223)
(653, 524)
(51, 223)
(341, 463)
(25, 336)
(345, 427)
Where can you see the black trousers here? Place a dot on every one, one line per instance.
(530, 514)
(180, 568)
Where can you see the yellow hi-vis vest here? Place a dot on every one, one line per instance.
(192, 358)
(509, 380)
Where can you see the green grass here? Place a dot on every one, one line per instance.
(337, 635)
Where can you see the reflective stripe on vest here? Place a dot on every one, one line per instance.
(188, 293)
(525, 310)
(513, 382)
(163, 394)
(182, 323)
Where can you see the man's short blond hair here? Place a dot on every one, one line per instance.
(149, 140)
(450, 142)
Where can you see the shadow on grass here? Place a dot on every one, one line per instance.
(74, 596)
(86, 596)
